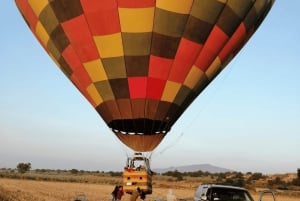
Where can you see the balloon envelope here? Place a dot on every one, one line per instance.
(141, 63)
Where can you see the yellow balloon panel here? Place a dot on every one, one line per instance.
(177, 6)
(142, 18)
(109, 45)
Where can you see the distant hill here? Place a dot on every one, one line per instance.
(194, 168)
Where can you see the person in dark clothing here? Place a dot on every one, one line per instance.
(120, 193)
(114, 193)
(142, 195)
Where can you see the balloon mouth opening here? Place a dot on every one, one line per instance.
(134, 133)
(139, 127)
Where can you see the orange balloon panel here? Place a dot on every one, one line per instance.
(141, 63)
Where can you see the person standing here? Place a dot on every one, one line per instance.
(114, 193)
(143, 195)
(120, 193)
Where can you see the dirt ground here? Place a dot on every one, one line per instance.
(26, 190)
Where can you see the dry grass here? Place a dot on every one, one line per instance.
(27, 190)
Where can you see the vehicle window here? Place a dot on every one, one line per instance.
(226, 194)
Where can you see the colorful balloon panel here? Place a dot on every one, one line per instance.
(141, 63)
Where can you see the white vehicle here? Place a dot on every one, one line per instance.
(211, 192)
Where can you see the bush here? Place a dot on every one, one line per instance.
(256, 176)
(296, 182)
(277, 182)
(115, 174)
(74, 171)
(23, 167)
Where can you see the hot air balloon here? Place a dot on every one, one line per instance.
(141, 63)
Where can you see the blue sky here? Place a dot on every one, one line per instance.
(248, 119)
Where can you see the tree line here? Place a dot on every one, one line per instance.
(237, 178)
(228, 178)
